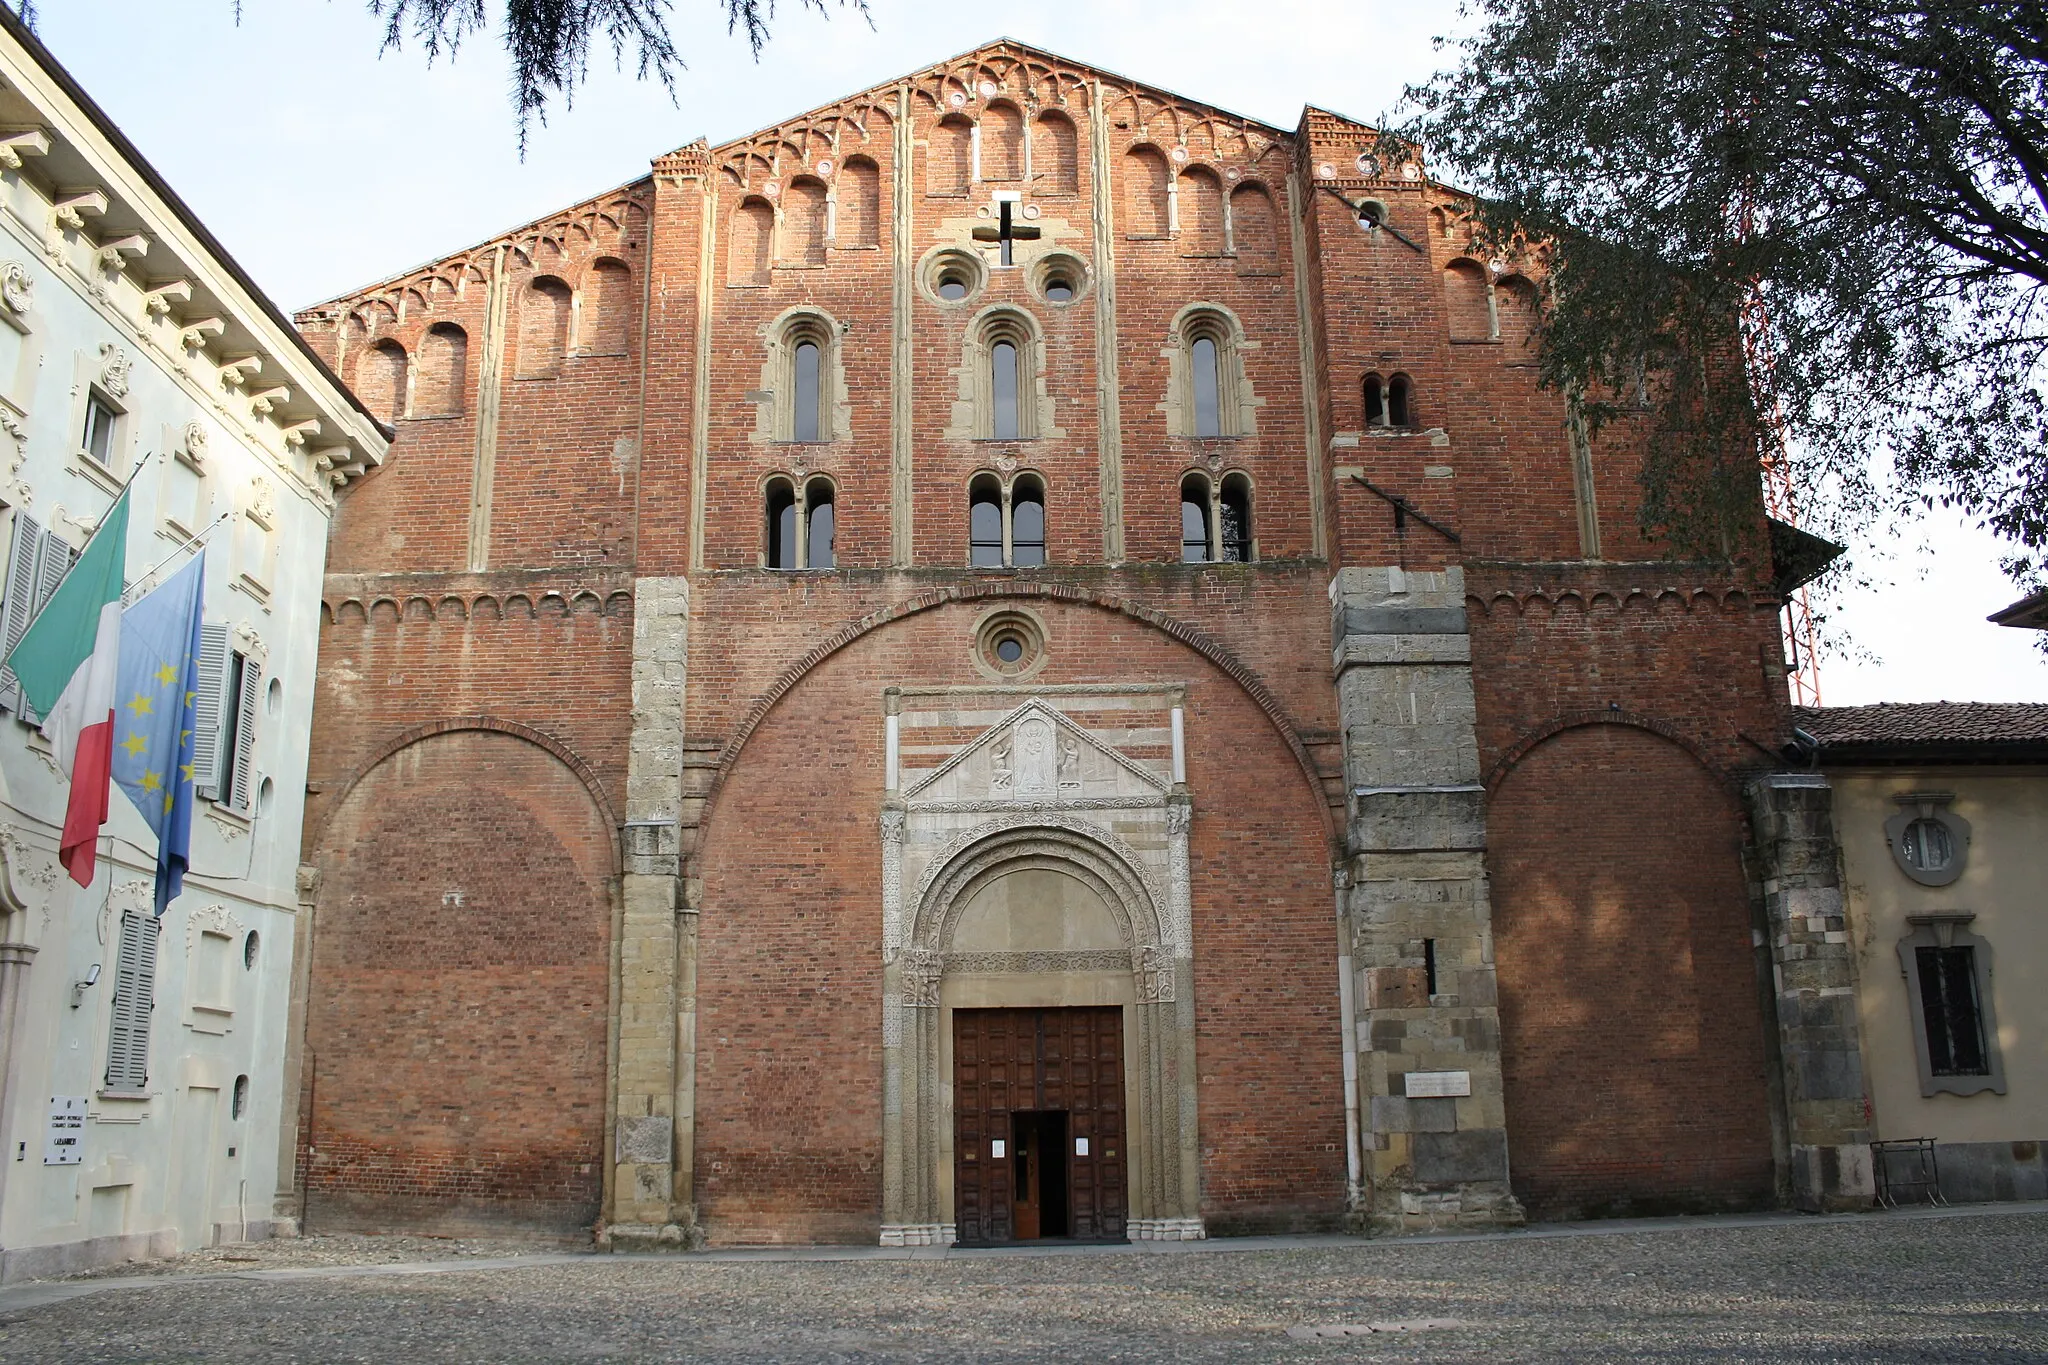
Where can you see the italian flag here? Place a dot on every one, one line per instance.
(66, 662)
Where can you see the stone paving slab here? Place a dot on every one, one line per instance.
(1955, 1285)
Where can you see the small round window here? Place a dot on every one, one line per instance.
(954, 276)
(1059, 277)
(1009, 644)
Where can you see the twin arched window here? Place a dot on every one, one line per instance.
(1389, 402)
(1215, 519)
(800, 529)
(1006, 525)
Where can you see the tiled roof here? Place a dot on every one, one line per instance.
(1931, 725)
(2029, 613)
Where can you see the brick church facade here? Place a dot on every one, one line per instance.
(883, 693)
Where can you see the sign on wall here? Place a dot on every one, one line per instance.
(64, 1142)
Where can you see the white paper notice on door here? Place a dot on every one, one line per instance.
(1080, 1146)
(997, 1147)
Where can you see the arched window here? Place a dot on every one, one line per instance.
(803, 377)
(860, 203)
(819, 519)
(1056, 155)
(1400, 401)
(1146, 182)
(1194, 520)
(1204, 385)
(801, 531)
(782, 519)
(1375, 394)
(544, 312)
(1027, 522)
(1002, 362)
(1002, 142)
(380, 380)
(803, 222)
(1253, 231)
(1005, 526)
(608, 308)
(1201, 212)
(1206, 370)
(950, 164)
(1234, 528)
(985, 522)
(443, 372)
(1007, 400)
(804, 420)
(1468, 301)
(753, 233)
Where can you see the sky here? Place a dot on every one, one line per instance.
(324, 165)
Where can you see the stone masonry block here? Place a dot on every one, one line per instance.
(1397, 988)
(1460, 1158)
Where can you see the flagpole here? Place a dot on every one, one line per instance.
(201, 534)
(97, 527)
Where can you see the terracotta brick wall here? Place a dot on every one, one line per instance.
(593, 485)
(456, 1037)
(789, 1036)
(1633, 1048)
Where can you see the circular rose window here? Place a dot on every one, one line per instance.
(1009, 644)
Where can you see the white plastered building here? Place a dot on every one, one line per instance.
(142, 1061)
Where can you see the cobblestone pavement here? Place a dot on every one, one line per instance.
(1884, 1288)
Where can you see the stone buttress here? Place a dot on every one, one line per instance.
(1413, 905)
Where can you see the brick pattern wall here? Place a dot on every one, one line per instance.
(1633, 1050)
(595, 479)
(789, 1133)
(456, 1037)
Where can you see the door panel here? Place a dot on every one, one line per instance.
(1046, 1076)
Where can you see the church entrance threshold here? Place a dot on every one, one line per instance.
(1039, 1148)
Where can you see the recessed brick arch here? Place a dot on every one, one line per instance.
(1188, 635)
(456, 1030)
(405, 739)
(1572, 720)
(1633, 1048)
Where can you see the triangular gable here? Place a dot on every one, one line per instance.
(1000, 70)
(1036, 755)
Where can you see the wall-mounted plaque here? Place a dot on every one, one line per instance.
(64, 1140)
(1438, 1084)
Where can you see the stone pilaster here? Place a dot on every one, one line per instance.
(1429, 1078)
(1813, 980)
(655, 954)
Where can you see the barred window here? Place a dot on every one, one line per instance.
(1950, 1012)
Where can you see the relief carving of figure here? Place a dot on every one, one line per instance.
(999, 778)
(922, 968)
(1070, 763)
(1036, 757)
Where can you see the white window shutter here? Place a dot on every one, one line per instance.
(19, 605)
(209, 709)
(134, 998)
(244, 758)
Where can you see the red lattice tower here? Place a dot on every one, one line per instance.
(1761, 365)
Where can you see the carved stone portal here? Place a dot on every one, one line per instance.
(1037, 865)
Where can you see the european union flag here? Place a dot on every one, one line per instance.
(155, 689)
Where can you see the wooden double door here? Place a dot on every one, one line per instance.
(1038, 1124)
